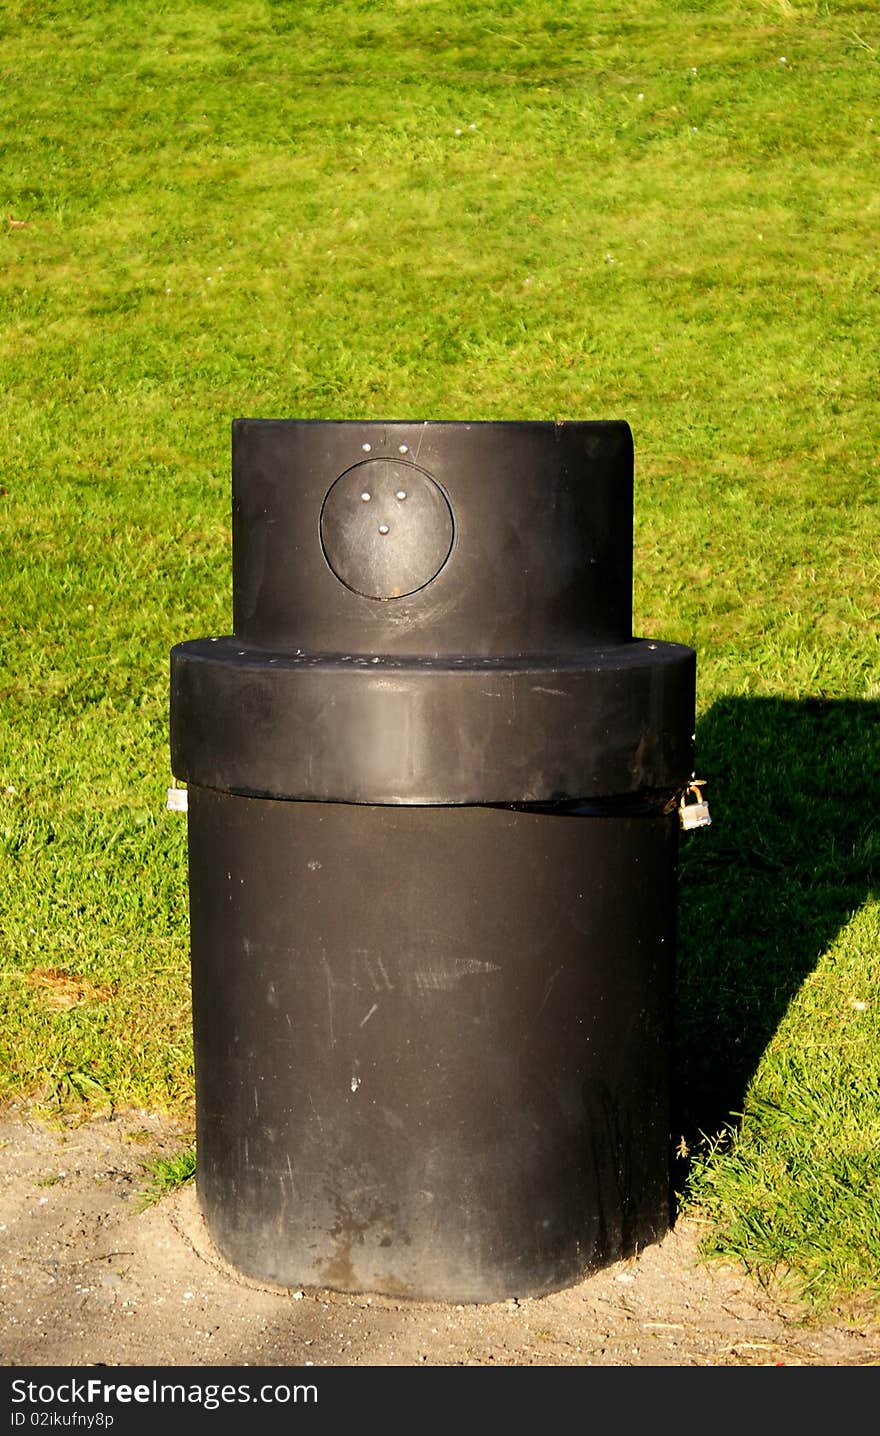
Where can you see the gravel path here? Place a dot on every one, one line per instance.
(86, 1278)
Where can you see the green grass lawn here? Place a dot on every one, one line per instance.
(665, 213)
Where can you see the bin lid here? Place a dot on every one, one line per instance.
(352, 728)
(432, 612)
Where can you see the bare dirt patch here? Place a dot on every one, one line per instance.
(87, 1277)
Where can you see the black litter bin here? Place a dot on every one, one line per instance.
(432, 862)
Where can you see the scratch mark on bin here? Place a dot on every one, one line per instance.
(329, 976)
(364, 1020)
(547, 990)
(443, 979)
(389, 985)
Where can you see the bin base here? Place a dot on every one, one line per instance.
(431, 1044)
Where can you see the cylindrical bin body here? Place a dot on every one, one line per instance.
(432, 860)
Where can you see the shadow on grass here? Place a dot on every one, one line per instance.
(794, 789)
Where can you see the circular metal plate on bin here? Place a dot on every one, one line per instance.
(386, 528)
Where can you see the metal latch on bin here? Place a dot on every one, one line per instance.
(695, 814)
